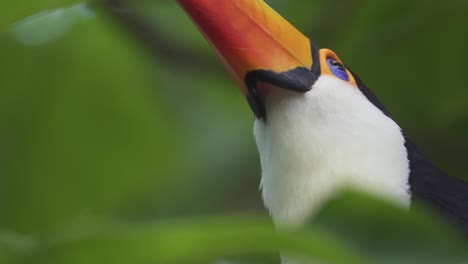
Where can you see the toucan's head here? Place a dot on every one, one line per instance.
(262, 51)
(317, 126)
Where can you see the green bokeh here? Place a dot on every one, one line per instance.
(99, 127)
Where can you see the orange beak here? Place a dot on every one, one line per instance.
(256, 45)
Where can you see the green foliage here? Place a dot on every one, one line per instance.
(388, 234)
(16, 10)
(189, 241)
(113, 152)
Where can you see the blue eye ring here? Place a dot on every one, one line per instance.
(337, 69)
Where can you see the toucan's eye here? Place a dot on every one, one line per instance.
(337, 69)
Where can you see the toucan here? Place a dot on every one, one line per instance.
(317, 127)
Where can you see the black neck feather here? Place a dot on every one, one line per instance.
(429, 184)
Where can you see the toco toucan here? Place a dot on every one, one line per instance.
(317, 126)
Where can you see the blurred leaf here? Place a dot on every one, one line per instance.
(349, 227)
(389, 234)
(13, 245)
(49, 26)
(192, 241)
(11, 11)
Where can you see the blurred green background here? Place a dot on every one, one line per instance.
(118, 111)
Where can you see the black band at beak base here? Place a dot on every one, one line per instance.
(299, 79)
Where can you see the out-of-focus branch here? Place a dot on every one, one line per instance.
(152, 38)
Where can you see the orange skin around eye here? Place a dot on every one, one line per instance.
(324, 54)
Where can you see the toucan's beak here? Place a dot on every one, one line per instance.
(256, 45)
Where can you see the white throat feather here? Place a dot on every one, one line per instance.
(312, 144)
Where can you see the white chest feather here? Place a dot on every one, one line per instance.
(315, 143)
